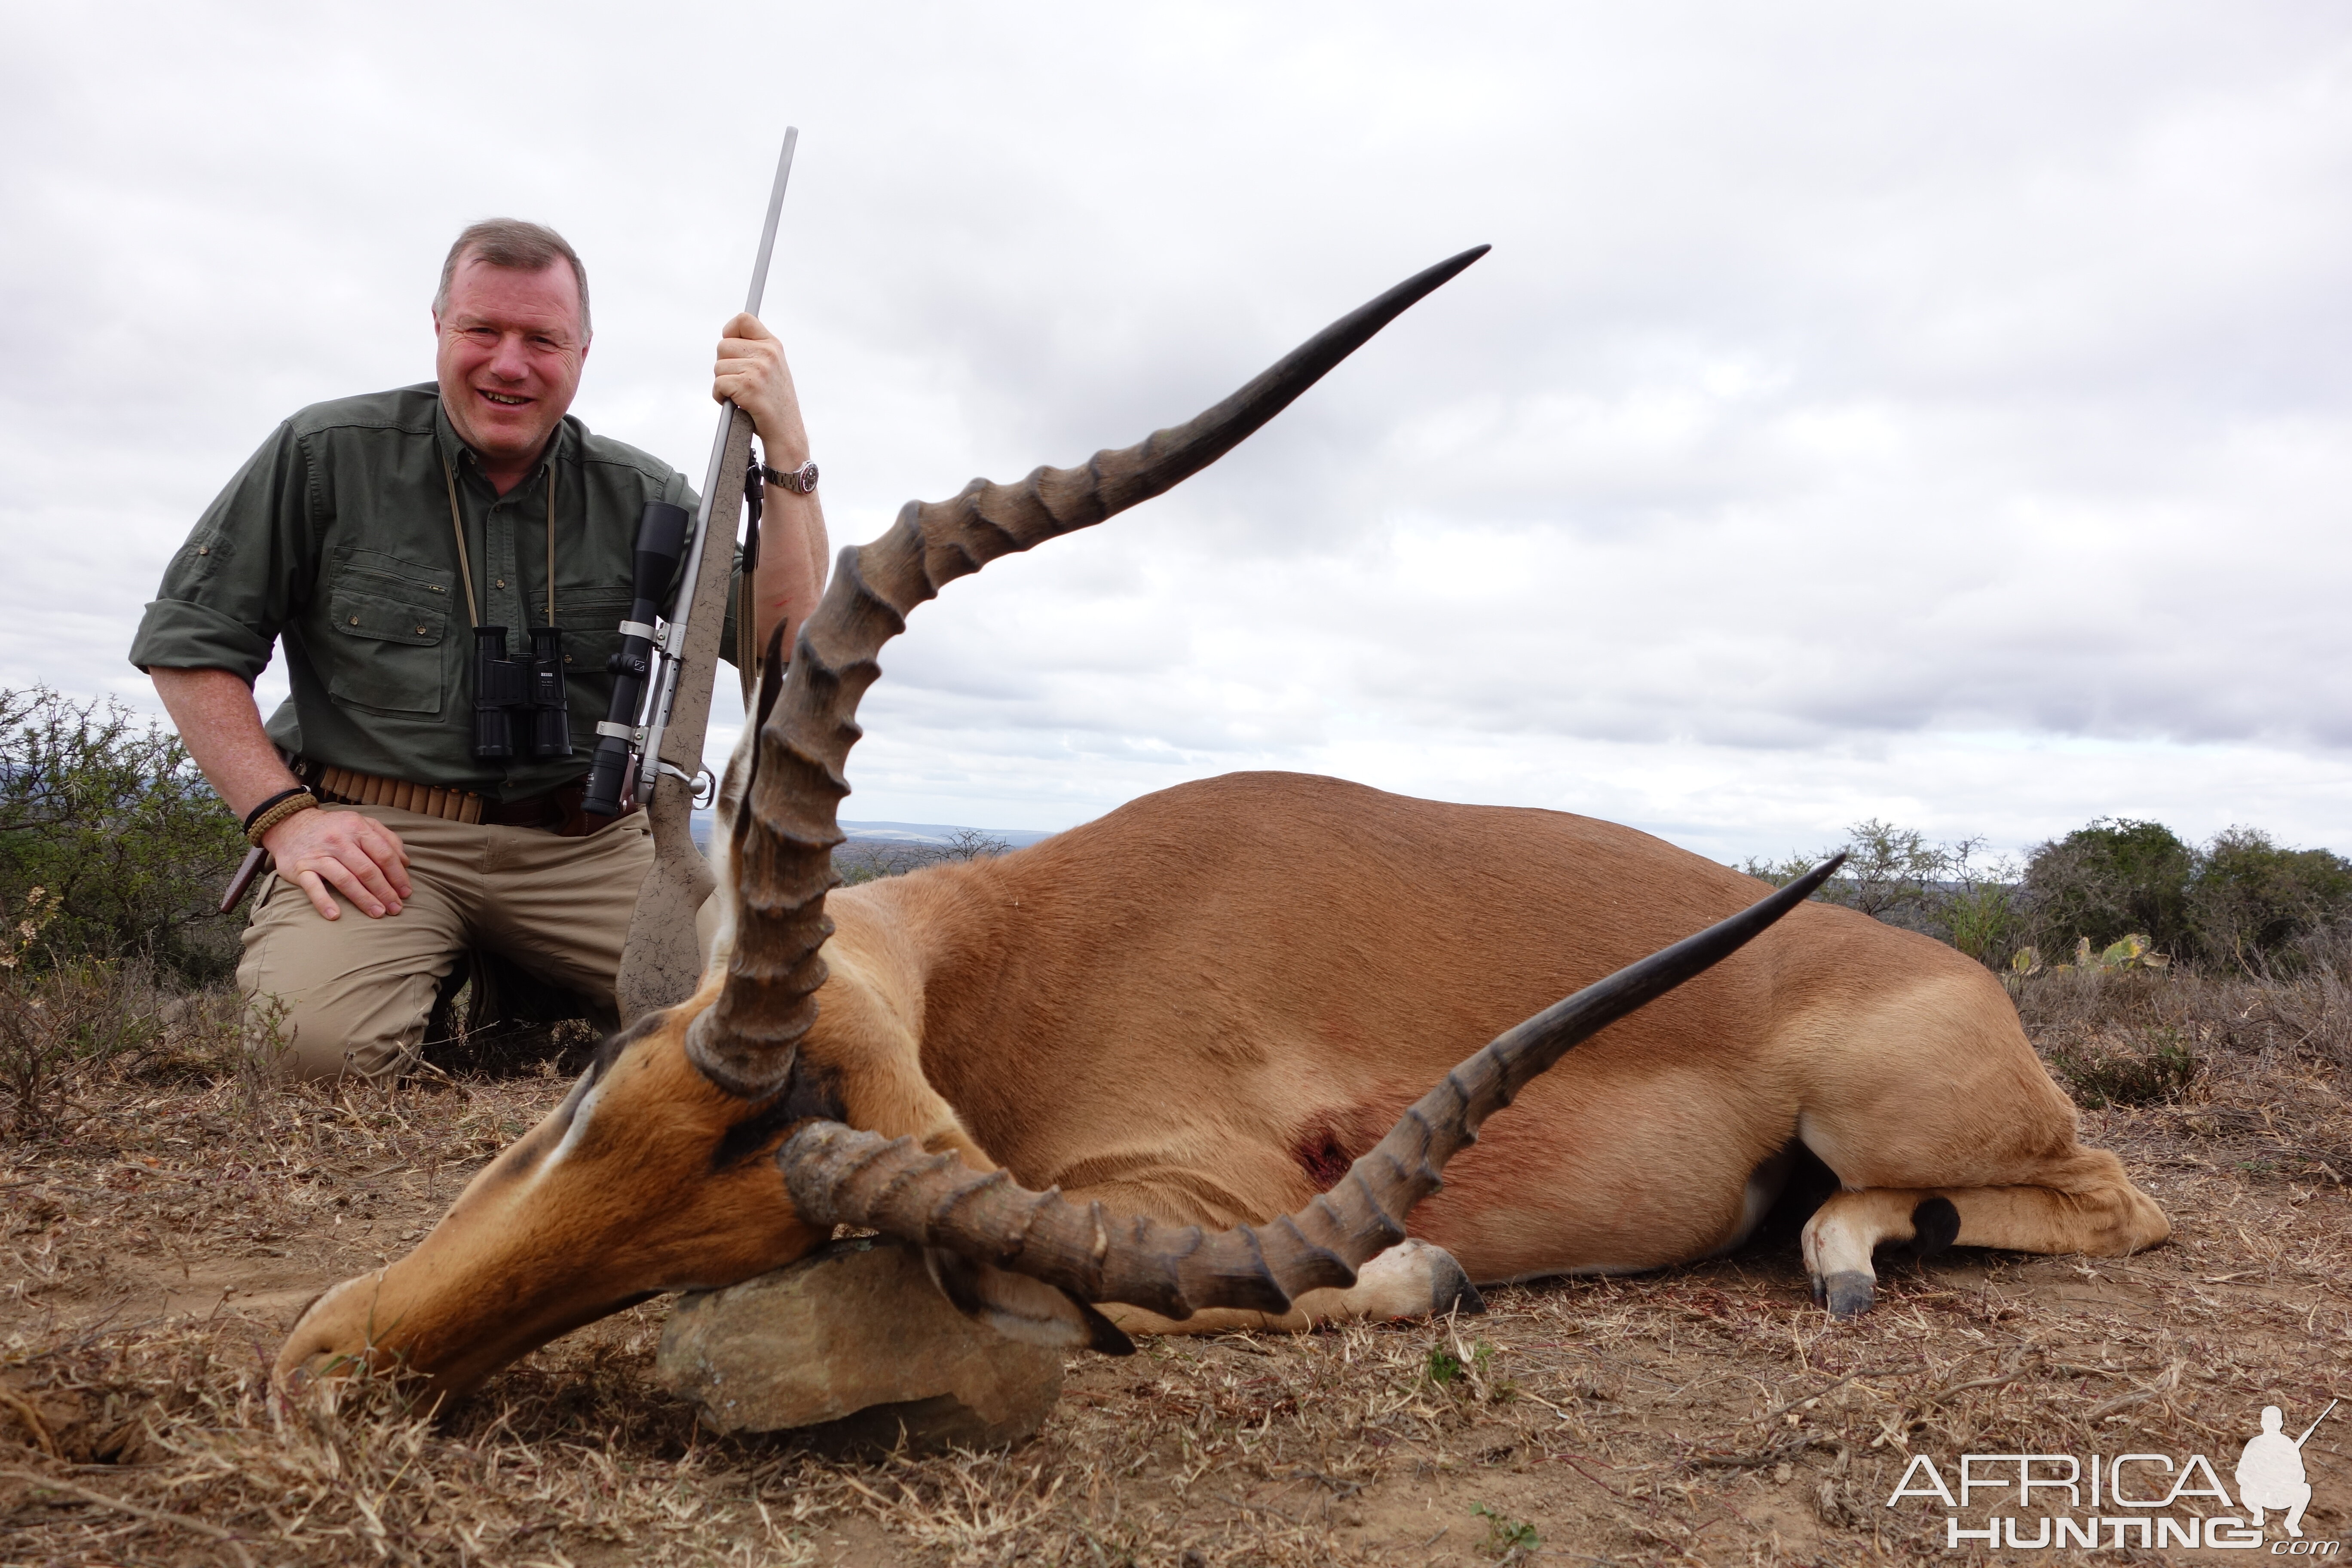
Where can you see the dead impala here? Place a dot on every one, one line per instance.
(1201, 1013)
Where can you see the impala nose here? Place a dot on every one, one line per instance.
(324, 1343)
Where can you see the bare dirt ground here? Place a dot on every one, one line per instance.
(156, 1242)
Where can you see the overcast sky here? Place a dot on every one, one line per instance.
(1935, 413)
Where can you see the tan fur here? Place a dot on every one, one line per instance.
(1171, 1008)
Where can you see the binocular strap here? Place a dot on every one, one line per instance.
(466, 567)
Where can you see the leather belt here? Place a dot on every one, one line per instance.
(559, 811)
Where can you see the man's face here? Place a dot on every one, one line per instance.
(510, 356)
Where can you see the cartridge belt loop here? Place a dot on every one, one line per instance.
(349, 786)
(557, 811)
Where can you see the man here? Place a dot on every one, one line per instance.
(371, 534)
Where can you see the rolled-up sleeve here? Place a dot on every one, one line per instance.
(237, 579)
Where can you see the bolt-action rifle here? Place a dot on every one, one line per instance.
(661, 690)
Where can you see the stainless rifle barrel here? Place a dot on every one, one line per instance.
(663, 686)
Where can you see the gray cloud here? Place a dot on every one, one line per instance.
(1927, 413)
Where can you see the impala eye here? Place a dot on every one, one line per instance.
(813, 1093)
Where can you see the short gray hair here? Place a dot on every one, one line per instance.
(512, 243)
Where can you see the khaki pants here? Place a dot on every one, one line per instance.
(357, 992)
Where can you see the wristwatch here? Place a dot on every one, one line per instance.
(799, 480)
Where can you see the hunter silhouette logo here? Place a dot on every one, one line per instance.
(2269, 1472)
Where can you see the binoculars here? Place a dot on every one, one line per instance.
(529, 690)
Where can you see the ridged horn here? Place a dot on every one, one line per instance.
(785, 834)
(840, 1176)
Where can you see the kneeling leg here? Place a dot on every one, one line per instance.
(2096, 1210)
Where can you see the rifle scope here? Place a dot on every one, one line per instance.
(661, 542)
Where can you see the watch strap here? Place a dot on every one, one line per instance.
(799, 480)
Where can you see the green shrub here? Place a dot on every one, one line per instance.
(1983, 919)
(2118, 893)
(2240, 900)
(2252, 902)
(1508, 1538)
(111, 819)
(2108, 880)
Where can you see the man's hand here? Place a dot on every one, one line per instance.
(754, 376)
(354, 853)
(222, 730)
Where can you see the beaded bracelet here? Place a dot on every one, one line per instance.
(274, 810)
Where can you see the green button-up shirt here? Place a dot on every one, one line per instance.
(336, 538)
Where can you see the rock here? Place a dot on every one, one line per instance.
(848, 1346)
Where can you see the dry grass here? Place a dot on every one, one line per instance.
(2251, 1068)
(154, 1245)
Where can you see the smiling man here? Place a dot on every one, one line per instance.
(369, 536)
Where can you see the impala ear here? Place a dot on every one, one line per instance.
(772, 677)
(743, 767)
(1022, 1308)
(743, 762)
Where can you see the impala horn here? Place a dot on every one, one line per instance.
(785, 834)
(840, 1176)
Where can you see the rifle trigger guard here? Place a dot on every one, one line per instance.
(701, 780)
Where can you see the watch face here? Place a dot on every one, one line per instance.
(804, 480)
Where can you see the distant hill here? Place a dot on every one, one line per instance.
(920, 835)
(934, 833)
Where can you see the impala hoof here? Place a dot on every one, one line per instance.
(1450, 1289)
(1846, 1293)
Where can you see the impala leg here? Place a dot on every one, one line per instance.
(1850, 1227)
(1410, 1279)
(2097, 1211)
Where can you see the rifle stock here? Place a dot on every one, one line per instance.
(662, 962)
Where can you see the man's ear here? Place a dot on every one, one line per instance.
(1021, 1308)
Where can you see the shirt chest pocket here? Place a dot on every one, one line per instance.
(592, 631)
(390, 633)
